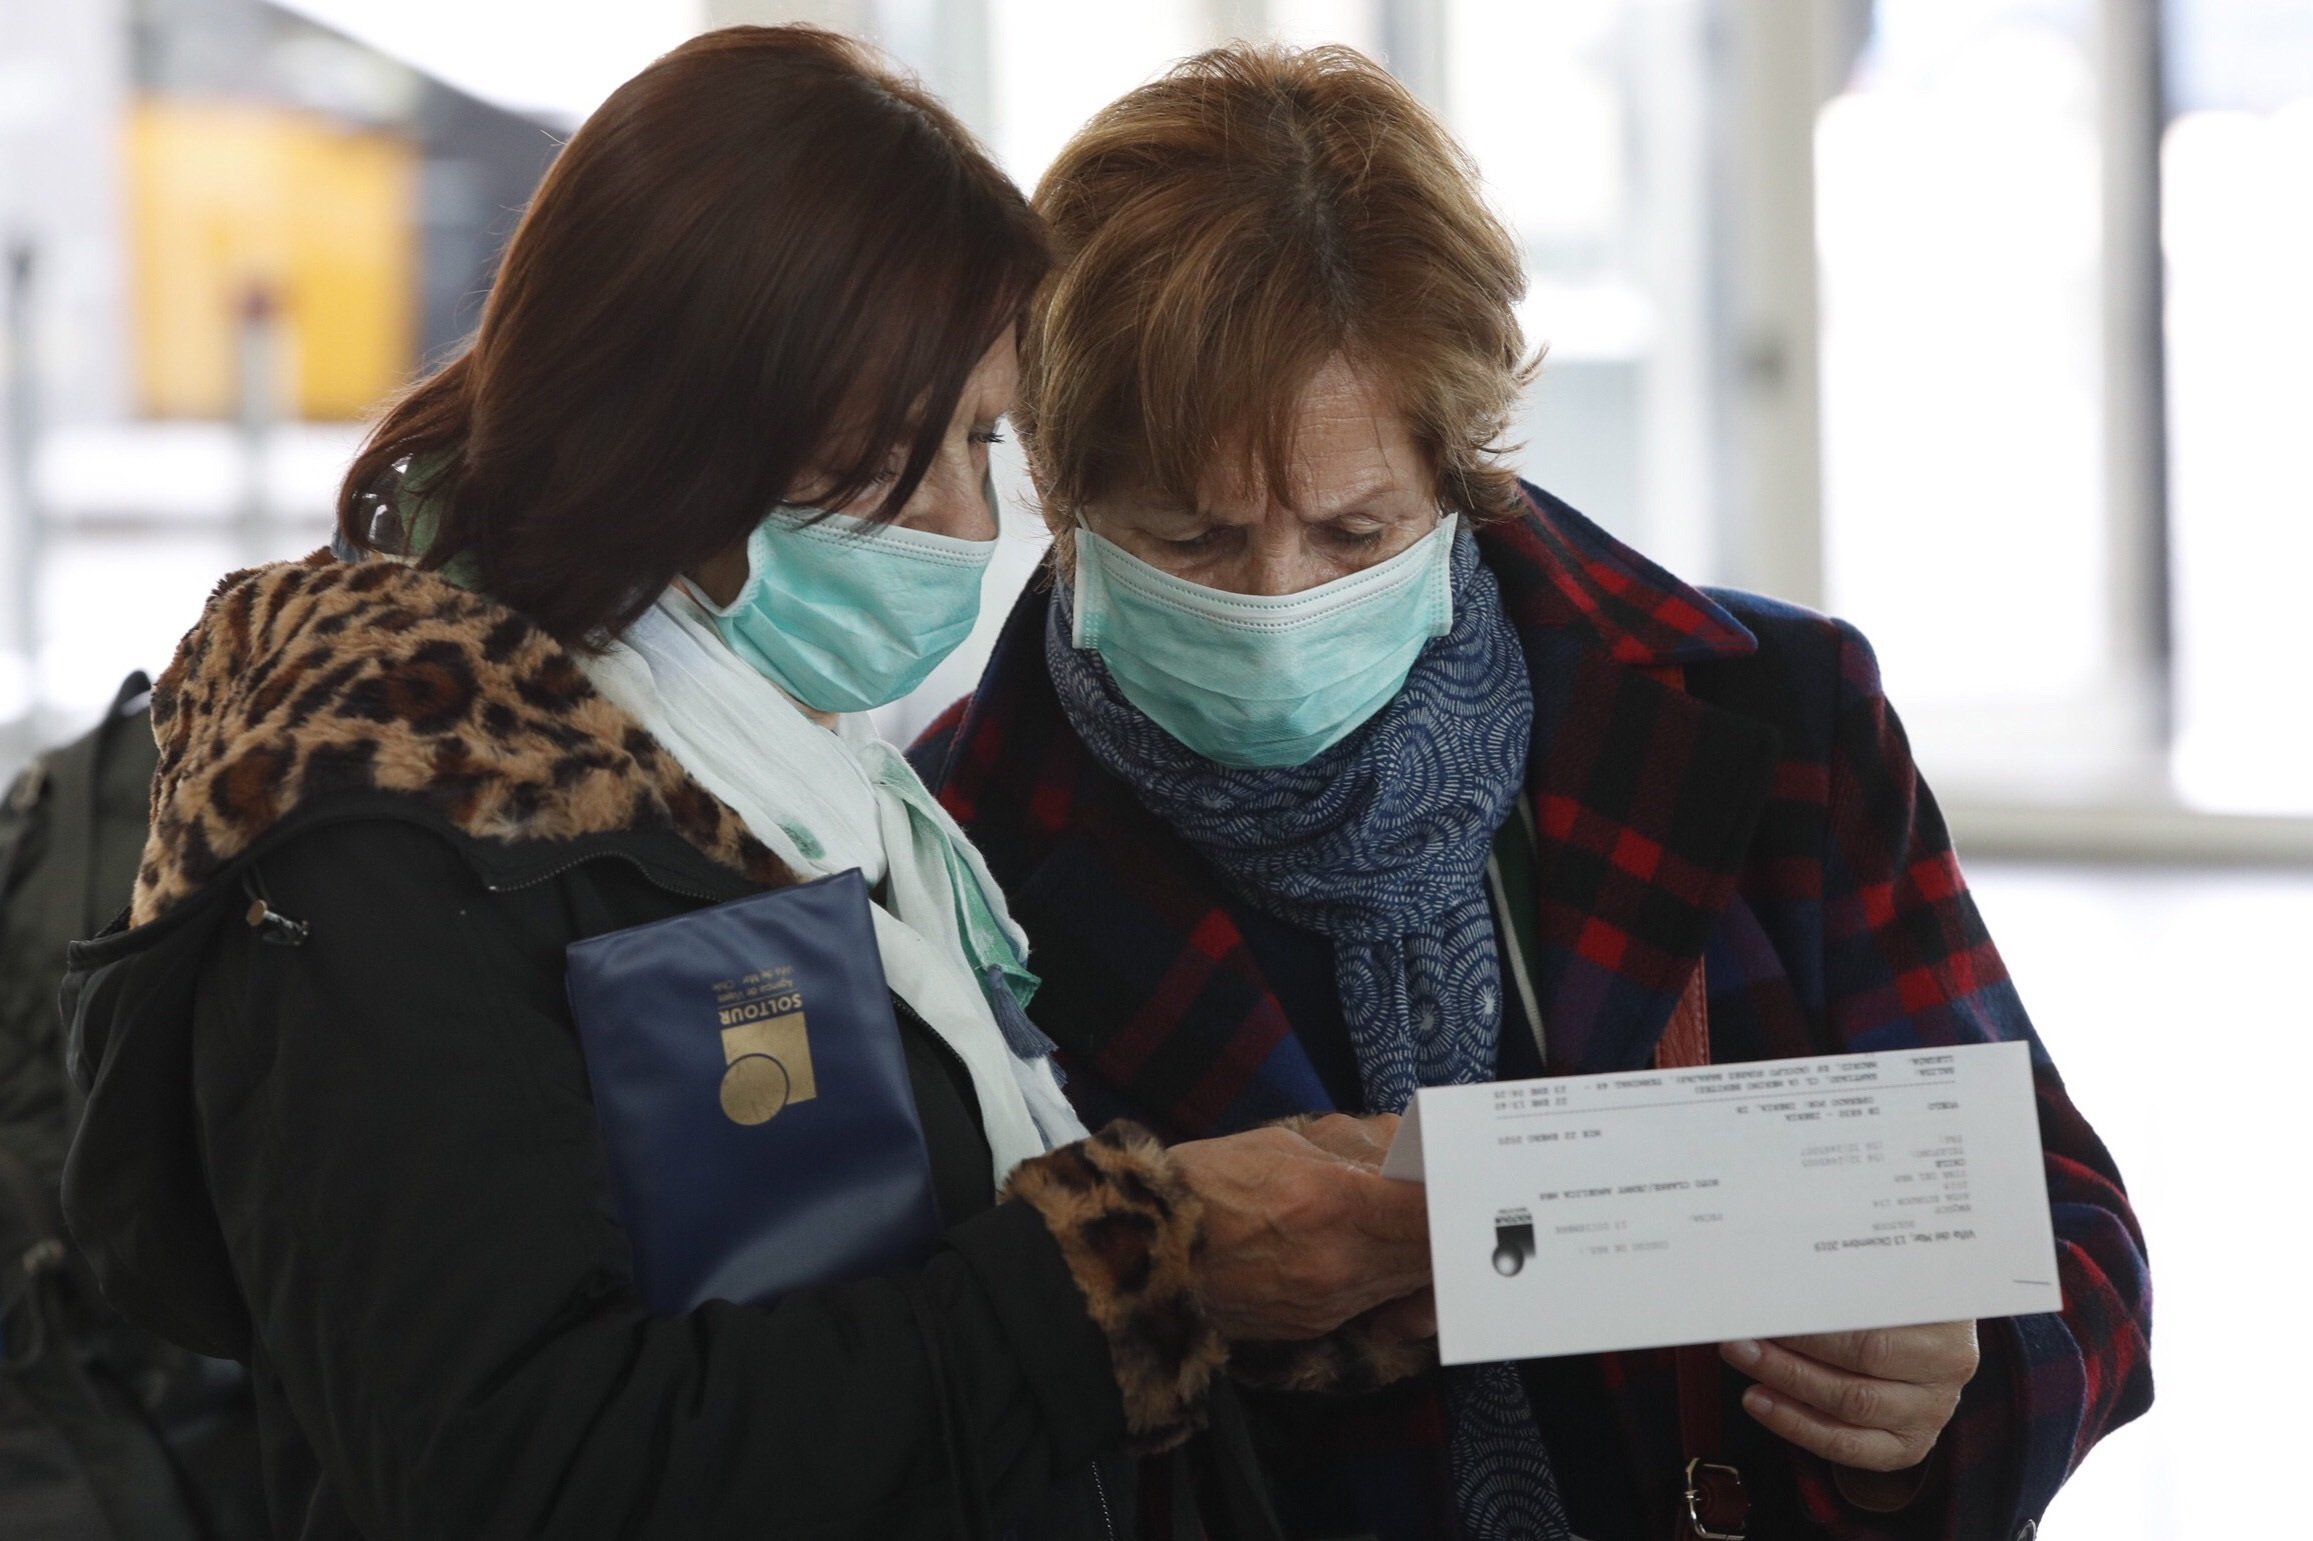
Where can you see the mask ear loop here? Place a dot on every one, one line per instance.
(697, 593)
(1087, 584)
(1450, 523)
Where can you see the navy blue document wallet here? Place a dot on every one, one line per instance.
(753, 1096)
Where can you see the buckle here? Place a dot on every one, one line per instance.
(1717, 1507)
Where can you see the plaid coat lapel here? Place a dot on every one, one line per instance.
(1149, 985)
(1645, 798)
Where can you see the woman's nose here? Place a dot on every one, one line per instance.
(1274, 568)
(957, 501)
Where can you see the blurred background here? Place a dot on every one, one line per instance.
(1984, 323)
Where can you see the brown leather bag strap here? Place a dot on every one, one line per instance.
(1686, 1040)
(1714, 1506)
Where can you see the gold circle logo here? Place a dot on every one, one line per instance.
(754, 1089)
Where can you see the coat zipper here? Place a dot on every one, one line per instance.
(1100, 1491)
(654, 879)
(940, 1046)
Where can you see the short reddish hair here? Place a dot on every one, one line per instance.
(1224, 230)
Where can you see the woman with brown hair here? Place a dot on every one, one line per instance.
(711, 476)
(1335, 761)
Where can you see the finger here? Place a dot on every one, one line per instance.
(1842, 1444)
(1408, 1320)
(1382, 1126)
(1858, 1401)
(1383, 1250)
(1375, 1131)
(1347, 1138)
(1927, 1355)
(1393, 1213)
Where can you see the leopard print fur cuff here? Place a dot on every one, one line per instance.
(1346, 1361)
(1132, 1231)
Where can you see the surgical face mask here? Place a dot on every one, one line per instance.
(1258, 680)
(845, 615)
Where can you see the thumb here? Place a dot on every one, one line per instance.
(1391, 1211)
(1408, 1319)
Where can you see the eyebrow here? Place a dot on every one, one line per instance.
(1155, 510)
(1352, 502)
(1356, 500)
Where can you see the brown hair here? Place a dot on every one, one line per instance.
(764, 258)
(1219, 234)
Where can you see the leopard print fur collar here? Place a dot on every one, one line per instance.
(308, 679)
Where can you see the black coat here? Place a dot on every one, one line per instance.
(339, 1126)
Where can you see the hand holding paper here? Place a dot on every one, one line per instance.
(1298, 1239)
(1870, 1401)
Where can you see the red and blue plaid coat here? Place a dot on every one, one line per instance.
(1715, 777)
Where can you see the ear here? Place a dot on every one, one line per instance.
(721, 576)
(1059, 523)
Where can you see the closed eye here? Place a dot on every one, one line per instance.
(1198, 545)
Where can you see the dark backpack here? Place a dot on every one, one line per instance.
(106, 1432)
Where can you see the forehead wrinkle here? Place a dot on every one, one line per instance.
(1377, 475)
(1337, 442)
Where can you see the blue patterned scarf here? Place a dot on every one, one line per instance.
(1379, 845)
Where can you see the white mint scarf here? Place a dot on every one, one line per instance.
(826, 802)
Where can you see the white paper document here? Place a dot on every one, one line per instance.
(1580, 1214)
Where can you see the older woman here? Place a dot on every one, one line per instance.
(1335, 761)
(710, 479)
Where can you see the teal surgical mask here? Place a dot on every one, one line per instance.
(844, 614)
(1258, 680)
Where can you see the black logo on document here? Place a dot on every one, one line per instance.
(1513, 1241)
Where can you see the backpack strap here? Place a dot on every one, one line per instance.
(76, 772)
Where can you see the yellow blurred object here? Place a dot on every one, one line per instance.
(237, 205)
